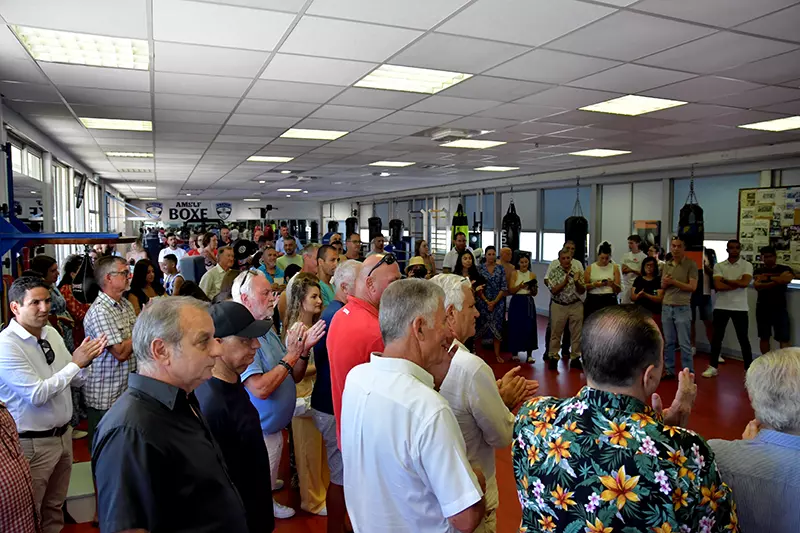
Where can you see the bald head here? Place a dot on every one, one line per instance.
(370, 283)
(505, 254)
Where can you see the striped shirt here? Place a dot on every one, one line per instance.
(764, 474)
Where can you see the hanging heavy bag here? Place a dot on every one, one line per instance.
(350, 227)
(84, 286)
(512, 227)
(314, 231)
(576, 228)
(395, 231)
(475, 237)
(690, 222)
(375, 226)
(459, 223)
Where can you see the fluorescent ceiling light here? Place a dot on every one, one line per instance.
(496, 169)
(188, 194)
(137, 219)
(261, 181)
(780, 124)
(305, 192)
(146, 198)
(129, 154)
(600, 152)
(318, 135)
(397, 164)
(252, 199)
(83, 49)
(289, 190)
(34, 192)
(269, 159)
(632, 105)
(385, 174)
(472, 143)
(286, 171)
(134, 171)
(117, 124)
(411, 79)
(288, 196)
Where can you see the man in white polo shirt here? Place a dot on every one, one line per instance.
(450, 258)
(731, 278)
(405, 462)
(36, 371)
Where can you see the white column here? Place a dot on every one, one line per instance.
(48, 200)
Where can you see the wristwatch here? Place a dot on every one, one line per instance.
(305, 358)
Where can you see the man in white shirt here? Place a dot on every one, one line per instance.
(577, 268)
(405, 463)
(211, 282)
(451, 257)
(279, 244)
(481, 404)
(172, 248)
(731, 278)
(36, 371)
(631, 266)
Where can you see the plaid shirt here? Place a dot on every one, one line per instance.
(17, 504)
(568, 295)
(108, 378)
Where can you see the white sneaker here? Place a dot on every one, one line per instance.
(721, 360)
(694, 350)
(78, 434)
(278, 485)
(710, 372)
(281, 511)
(322, 512)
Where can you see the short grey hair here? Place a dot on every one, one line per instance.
(105, 266)
(224, 249)
(773, 382)
(405, 300)
(346, 274)
(564, 251)
(160, 319)
(453, 287)
(311, 250)
(243, 284)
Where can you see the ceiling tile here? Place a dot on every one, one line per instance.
(170, 115)
(539, 128)
(630, 78)
(315, 36)
(689, 112)
(520, 112)
(284, 67)
(723, 13)
(84, 95)
(272, 107)
(330, 124)
(482, 123)
(451, 104)
(567, 97)
(119, 19)
(488, 88)
(413, 118)
(551, 67)
(390, 129)
(10, 45)
(356, 96)
(24, 70)
(128, 113)
(742, 117)
(528, 22)
(292, 91)
(419, 14)
(182, 127)
(455, 53)
(627, 36)
(97, 77)
(343, 112)
(218, 25)
(212, 60)
(703, 88)
(263, 121)
(781, 25)
(790, 108)
(776, 69)
(167, 82)
(717, 52)
(29, 92)
(760, 97)
(278, 5)
(251, 131)
(195, 103)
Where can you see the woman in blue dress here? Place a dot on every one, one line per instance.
(491, 303)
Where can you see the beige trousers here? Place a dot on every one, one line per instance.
(559, 316)
(492, 499)
(310, 458)
(50, 460)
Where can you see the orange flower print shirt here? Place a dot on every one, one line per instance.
(603, 463)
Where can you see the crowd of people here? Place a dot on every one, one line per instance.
(393, 420)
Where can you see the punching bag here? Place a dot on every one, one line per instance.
(474, 236)
(690, 222)
(395, 230)
(351, 226)
(301, 234)
(375, 225)
(512, 227)
(460, 223)
(84, 286)
(576, 228)
(314, 231)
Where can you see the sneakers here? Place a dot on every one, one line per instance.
(278, 485)
(552, 363)
(721, 360)
(576, 364)
(78, 434)
(281, 511)
(710, 372)
(321, 512)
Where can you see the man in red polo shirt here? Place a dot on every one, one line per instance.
(355, 331)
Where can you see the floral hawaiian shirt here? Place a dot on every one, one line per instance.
(605, 463)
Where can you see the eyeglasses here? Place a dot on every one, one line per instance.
(388, 259)
(244, 279)
(49, 354)
(121, 273)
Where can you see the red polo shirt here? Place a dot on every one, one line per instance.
(354, 334)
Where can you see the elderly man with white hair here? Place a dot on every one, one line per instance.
(481, 404)
(404, 457)
(763, 468)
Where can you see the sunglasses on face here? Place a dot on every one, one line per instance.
(388, 259)
(49, 354)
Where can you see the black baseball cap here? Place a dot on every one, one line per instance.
(232, 319)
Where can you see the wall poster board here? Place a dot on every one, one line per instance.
(770, 216)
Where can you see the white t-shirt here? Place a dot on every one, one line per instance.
(634, 262)
(405, 463)
(177, 252)
(735, 300)
(451, 257)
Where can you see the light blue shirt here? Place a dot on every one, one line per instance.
(764, 474)
(279, 245)
(276, 411)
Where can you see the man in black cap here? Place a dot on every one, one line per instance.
(232, 417)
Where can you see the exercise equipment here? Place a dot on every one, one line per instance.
(395, 230)
(690, 221)
(84, 287)
(375, 226)
(511, 229)
(459, 223)
(576, 227)
(351, 225)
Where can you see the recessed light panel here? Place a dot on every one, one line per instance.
(600, 152)
(252, 199)
(781, 124)
(286, 171)
(496, 169)
(130, 154)
(396, 164)
(632, 105)
(317, 135)
(289, 190)
(117, 124)
(472, 143)
(82, 49)
(411, 79)
(135, 171)
(268, 159)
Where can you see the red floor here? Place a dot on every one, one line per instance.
(722, 410)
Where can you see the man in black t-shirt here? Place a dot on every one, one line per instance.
(771, 281)
(231, 416)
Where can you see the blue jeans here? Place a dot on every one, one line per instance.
(677, 323)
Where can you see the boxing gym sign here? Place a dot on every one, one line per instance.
(189, 211)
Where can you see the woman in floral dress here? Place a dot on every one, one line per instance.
(491, 303)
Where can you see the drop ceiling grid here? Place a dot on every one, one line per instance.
(214, 116)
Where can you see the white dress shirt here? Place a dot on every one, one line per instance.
(36, 394)
(486, 423)
(405, 464)
(736, 299)
(451, 257)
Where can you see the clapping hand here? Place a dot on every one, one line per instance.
(314, 334)
(752, 429)
(295, 338)
(516, 389)
(666, 281)
(89, 350)
(678, 413)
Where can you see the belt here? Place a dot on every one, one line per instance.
(55, 432)
(565, 304)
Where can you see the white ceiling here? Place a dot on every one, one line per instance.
(227, 78)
